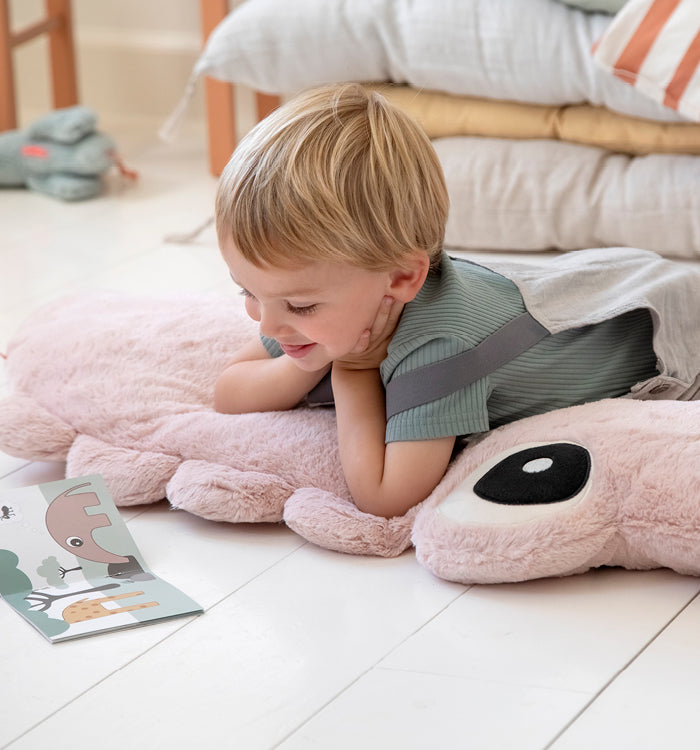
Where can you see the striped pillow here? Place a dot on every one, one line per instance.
(654, 45)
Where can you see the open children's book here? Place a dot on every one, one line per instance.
(70, 567)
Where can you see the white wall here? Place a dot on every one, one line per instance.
(133, 57)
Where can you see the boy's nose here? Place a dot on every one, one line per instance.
(270, 324)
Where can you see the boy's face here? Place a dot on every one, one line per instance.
(317, 312)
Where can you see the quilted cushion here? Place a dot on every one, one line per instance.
(539, 195)
(521, 50)
(442, 115)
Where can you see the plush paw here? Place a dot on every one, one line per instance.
(133, 476)
(65, 125)
(336, 523)
(66, 187)
(221, 493)
(29, 431)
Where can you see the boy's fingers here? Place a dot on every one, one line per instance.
(382, 325)
(391, 314)
(362, 342)
(384, 315)
(395, 312)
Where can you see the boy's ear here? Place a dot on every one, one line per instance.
(405, 281)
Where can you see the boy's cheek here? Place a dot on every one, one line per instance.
(252, 309)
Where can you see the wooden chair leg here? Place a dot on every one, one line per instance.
(62, 54)
(220, 99)
(58, 25)
(221, 119)
(221, 123)
(8, 114)
(265, 104)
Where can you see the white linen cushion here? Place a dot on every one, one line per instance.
(536, 51)
(543, 194)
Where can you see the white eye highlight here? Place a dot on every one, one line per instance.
(538, 465)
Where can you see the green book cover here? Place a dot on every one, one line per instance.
(70, 567)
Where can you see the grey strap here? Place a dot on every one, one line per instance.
(442, 378)
(322, 393)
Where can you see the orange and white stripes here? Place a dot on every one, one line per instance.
(654, 45)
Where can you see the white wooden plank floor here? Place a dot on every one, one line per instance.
(300, 647)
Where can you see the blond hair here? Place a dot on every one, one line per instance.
(335, 174)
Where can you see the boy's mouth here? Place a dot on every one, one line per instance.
(297, 351)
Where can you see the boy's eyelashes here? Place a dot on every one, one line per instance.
(300, 310)
(295, 309)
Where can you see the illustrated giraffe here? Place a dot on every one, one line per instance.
(92, 609)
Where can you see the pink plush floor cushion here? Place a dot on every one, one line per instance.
(122, 386)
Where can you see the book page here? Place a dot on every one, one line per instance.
(70, 567)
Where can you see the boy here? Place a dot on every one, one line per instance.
(331, 217)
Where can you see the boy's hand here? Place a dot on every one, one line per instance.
(370, 349)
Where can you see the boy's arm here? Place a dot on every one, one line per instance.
(255, 381)
(385, 480)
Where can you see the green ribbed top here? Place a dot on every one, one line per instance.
(459, 305)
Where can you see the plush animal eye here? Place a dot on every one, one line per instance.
(74, 541)
(525, 483)
(534, 476)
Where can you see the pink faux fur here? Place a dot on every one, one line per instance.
(122, 386)
(639, 509)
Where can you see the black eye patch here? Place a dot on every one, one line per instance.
(533, 476)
